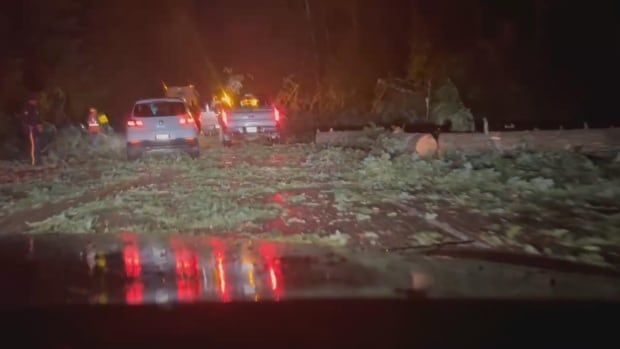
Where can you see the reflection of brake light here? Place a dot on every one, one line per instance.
(131, 257)
(134, 293)
(222, 277)
(274, 279)
(219, 269)
(135, 123)
(278, 199)
(186, 263)
(268, 252)
(188, 289)
(189, 282)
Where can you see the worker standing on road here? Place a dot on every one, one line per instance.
(94, 129)
(32, 127)
(104, 122)
(93, 122)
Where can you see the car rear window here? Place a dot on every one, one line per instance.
(159, 109)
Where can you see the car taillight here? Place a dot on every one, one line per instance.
(135, 123)
(225, 117)
(276, 114)
(186, 119)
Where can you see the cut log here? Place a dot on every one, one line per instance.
(587, 141)
(422, 144)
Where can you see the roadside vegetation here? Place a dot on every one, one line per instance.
(558, 204)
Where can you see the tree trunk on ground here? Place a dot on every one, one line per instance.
(419, 143)
(423, 144)
(588, 141)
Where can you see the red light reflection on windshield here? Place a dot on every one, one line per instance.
(221, 278)
(188, 290)
(220, 269)
(131, 258)
(186, 263)
(268, 252)
(134, 293)
(274, 279)
(188, 272)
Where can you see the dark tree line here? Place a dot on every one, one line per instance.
(510, 59)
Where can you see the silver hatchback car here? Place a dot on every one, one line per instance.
(161, 125)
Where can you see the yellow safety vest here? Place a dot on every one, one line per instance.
(103, 119)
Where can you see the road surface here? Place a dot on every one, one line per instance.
(306, 195)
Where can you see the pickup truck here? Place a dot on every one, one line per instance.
(251, 120)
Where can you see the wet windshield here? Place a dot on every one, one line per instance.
(441, 148)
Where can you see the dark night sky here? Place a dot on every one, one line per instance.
(568, 58)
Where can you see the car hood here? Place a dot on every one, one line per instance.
(143, 269)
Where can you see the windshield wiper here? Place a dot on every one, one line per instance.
(434, 246)
(524, 260)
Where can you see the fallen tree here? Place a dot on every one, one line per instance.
(399, 101)
(422, 144)
(587, 141)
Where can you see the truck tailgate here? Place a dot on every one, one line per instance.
(246, 117)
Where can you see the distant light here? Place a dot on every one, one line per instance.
(225, 118)
(249, 102)
(226, 99)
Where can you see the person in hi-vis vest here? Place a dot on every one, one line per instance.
(94, 128)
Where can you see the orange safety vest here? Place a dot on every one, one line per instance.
(93, 125)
